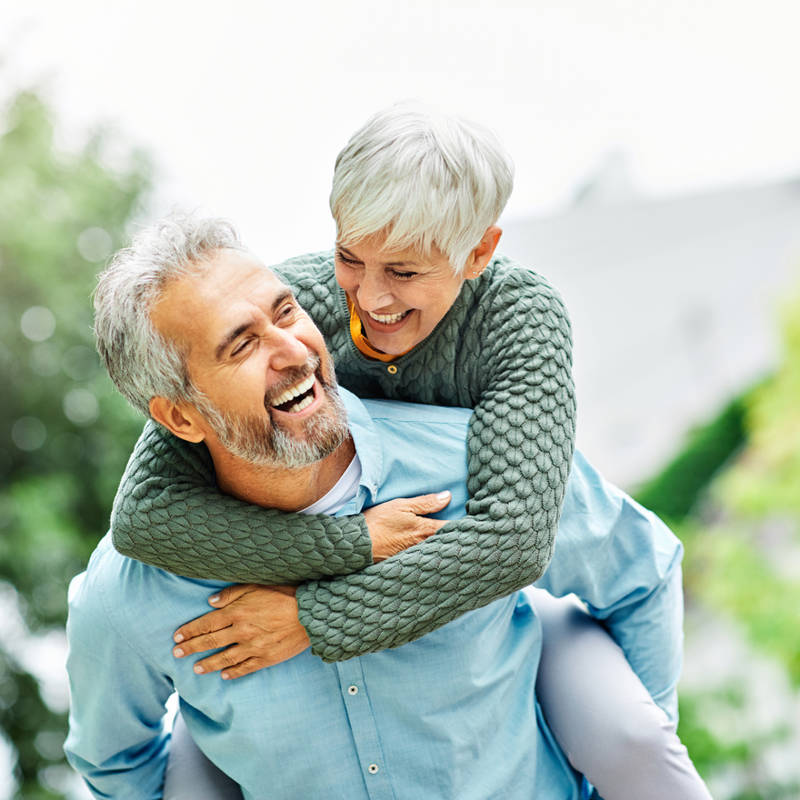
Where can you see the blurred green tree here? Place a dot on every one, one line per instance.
(64, 433)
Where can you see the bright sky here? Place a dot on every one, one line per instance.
(246, 106)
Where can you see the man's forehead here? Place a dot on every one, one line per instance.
(199, 302)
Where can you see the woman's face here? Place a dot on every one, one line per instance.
(400, 295)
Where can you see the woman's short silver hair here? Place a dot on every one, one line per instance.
(139, 360)
(421, 178)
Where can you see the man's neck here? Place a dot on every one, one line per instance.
(284, 489)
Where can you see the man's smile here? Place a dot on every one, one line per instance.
(297, 397)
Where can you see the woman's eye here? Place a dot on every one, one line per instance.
(349, 261)
(403, 276)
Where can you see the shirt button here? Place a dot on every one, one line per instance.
(391, 369)
(372, 769)
(352, 690)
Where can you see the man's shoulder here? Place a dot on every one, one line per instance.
(382, 416)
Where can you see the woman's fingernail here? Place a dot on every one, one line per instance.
(178, 638)
(198, 669)
(225, 676)
(177, 652)
(214, 599)
(443, 495)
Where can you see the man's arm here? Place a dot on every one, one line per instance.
(624, 564)
(116, 739)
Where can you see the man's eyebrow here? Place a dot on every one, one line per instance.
(231, 337)
(236, 332)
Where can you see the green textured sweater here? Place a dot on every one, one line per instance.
(504, 349)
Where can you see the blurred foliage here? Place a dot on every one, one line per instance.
(734, 494)
(767, 480)
(65, 433)
(676, 489)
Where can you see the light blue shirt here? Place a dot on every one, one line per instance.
(451, 715)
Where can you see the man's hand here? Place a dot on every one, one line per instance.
(257, 626)
(399, 524)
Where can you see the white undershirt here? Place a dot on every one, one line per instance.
(340, 493)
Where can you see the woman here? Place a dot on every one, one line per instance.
(426, 313)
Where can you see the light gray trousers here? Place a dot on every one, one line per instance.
(601, 714)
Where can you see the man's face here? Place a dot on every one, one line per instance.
(268, 380)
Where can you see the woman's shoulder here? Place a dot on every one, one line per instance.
(507, 284)
(309, 268)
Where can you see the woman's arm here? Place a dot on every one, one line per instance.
(168, 512)
(520, 447)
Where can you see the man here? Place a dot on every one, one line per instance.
(452, 714)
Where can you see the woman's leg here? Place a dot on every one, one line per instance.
(190, 775)
(602, 715)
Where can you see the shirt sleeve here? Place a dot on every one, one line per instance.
(520, 445)
(624, 564)
(168, 512)
(117, 740)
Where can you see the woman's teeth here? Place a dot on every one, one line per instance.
(388, 319)
(290, 394)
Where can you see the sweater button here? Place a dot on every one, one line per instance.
(391, 369)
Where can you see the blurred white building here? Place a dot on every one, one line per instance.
(673, 301)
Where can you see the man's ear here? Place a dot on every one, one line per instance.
(480, 257)
(181, 419)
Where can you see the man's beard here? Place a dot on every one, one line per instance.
(263, 442)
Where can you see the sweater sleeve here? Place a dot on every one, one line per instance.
(520, 446)
(168, 512)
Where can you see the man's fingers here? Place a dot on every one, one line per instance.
(427, 503)
(199, 644)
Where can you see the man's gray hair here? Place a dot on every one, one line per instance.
(421, 178)
(139, 360)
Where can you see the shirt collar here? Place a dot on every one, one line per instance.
(367, 440)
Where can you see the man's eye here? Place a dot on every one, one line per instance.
(242, 346)
(287, 311)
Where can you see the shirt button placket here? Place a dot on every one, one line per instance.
(364, 729)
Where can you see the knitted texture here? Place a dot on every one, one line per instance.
(503, 349)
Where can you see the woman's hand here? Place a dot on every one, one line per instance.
(398, 524)
(257, 626)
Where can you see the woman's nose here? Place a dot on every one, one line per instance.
(373, 292)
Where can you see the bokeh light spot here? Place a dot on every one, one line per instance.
(28, 433)
(38, 323)
(45, 360)
(81, 407)
(95, 244)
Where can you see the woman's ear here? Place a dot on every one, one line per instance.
(181, 419)
(480, 257)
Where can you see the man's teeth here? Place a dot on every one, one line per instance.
(296, 391)
(388, 319)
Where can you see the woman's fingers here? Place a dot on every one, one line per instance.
(207, 641)
(209, 623)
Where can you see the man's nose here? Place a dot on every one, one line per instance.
(374, 292)
(286, 350)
